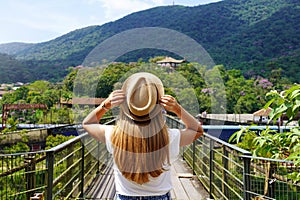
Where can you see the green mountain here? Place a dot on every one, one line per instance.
(14, 47)
(255, 36)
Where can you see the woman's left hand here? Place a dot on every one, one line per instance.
(170, 104)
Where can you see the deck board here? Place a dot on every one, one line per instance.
(185, 186)
(178, 191)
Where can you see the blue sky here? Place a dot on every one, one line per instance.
(35, 21)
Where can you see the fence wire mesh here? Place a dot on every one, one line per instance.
(228, 172)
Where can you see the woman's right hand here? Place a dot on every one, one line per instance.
(114, 99)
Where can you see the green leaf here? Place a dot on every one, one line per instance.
(294, 139)
(235, 137)
(281, 109)
(269, 103)
(296, 107)
(292, 89)
(272, 93)
(289, 114)
(295, 94)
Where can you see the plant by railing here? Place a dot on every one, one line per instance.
(229, 172)
(287, 103)
(22, 174)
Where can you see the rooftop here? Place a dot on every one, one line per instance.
(170, 60)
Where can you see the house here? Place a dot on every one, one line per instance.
(262, 116)
(81, 101)
(3, 92)
(170, 62)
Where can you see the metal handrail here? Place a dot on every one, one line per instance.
(229, 172)
(225, 170)
(58, 172)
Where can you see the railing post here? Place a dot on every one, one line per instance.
(194, 157)
(70, 160)
(211, 167)
(225, 169)
(246, 176)
(50, 171)
(82, 171)
(99, 156)
(271, 184)
(205, 157)
(30, 174)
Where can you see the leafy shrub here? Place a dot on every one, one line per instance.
(272, 144)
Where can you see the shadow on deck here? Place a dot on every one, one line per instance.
(185, 185)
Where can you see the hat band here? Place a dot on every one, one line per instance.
(139, 118)
(144, 118)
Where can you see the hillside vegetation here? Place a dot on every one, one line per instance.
(193, 85)
(255, 36)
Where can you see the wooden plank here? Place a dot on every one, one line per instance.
(191, 186)
(185, 175)
(178, 191)
(185, 186)
(103, 186)
(107, 184)
(180, 166)
(109, 191)
(190, 190)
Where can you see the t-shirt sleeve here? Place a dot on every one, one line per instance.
(108, 134)
(174, 148)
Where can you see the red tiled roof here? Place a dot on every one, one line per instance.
(4, 92)
(263, 112)
(83, 101)
(170, 60)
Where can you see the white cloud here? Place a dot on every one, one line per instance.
(36, 15)
(114, 9)
(159, 2)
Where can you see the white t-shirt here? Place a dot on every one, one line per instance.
(156, 186)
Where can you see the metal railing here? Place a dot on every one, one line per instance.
(228, 172)
(63, 172)
(22, 174)
(68, 170)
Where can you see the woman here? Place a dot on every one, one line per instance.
(141, 143)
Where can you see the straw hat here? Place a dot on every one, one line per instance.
(143, 91)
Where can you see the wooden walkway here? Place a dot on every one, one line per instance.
(186, 186)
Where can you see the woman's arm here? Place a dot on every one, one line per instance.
(91, 121)
(193, 129)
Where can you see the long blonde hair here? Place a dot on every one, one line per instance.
(141, 150)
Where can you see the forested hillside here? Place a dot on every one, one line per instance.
(256, 36)
(14, 47)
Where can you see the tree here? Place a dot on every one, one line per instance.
(270, 143)
(286, 102)
(52, 141)
(68, 82)
(39, 86)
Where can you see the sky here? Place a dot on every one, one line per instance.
(34, 21)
